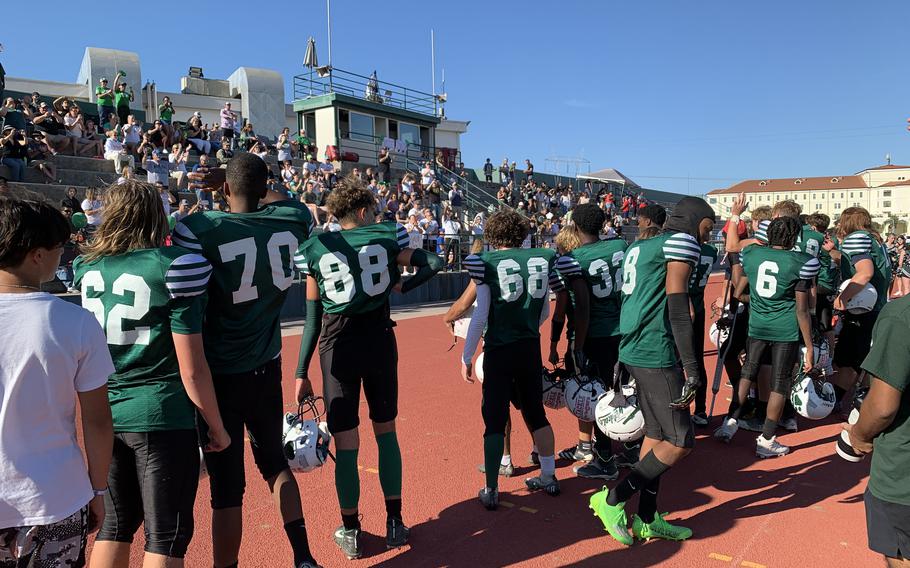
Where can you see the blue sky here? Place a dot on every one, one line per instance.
(681, 96)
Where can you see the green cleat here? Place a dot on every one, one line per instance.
(613, 517)
(658, 528)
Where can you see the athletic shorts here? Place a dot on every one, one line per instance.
(512, 372)
(783, 356)
(254, 400)
(603, 353)
(656, 388)
(854, 340)
(57, 544)
(354, 360)
(153, 480)
(888, 526)
(227, 132)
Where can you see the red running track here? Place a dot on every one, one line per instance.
(804, 509)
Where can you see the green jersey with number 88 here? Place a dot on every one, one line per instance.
(519, 281)
(252, 256)
(647, 340)
(355, 268)
(773, 276)
(600, 263)
(140, 298)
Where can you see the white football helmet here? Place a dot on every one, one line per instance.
(554, 390)
(582, 394)
(618, 415)
(863, 301)
(812, 398)
(305, 440)
(718, 336)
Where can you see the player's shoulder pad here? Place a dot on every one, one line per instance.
(186, 273)
(682, 247)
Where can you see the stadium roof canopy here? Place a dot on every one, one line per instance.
(608, 175)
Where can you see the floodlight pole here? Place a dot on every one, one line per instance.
(328, 17)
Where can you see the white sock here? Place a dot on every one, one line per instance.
(548, 466)
(506, 460)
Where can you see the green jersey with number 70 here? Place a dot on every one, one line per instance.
(519, 281)
(252, 256)
(647, 340)
(600, 263)
(140, 298)
(773, 276)
(354, 268)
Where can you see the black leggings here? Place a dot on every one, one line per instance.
(698, 338)
(784, 358)
(603, 352)
(512, 370)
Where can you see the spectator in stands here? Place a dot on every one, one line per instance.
(71, 201)
(132, 134)
(14, 116)
(288, 171)
(166, 110)
(104, 98)
(259, 149)
(429, 228)
(427, 175)
(392, 206)
(92, 207)
(115, 151)
(311, 165)
(158, 136)
(609, 203)
(301, 144)
(512, 167)
(123, 96)
(283, 145)
(157, 170)
(196, 134)
(178, 157)
(223, 155)
(197, 178)
(456, 200)
(41, 156)
(477, 225)
(504, 171)
(75, 128)
(414, 232)
(247, 136)
(385, 165)
(228, 120)
(451, 228)
(15, 151)
(50, 122)
(529, 170)
(167, 200)
(56, 354)
(184, 209)
(407, 184)
(125, 175)
(488, 171)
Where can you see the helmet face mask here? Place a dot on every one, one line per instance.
(554, 389)
(306, 439)
(582, 394)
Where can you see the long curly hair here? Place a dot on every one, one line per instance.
(134, 219)
(506, 229)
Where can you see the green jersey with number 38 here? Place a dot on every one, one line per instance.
(773, 276)
(252, 256)
(519, 281)
(700, 274)
(644, 322)
(140, 298)
(354, 268)
(600, 264)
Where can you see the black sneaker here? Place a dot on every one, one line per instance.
(349, 542)
(396, 534)
(598, 469)
(700, 419)
(628, 457)
(489, 498)
(549, 485)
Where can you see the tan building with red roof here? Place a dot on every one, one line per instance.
(883, 190)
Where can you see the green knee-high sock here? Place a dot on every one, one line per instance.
(389, 464)
(493, 445)
(347, 479)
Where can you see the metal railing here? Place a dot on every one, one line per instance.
(367, 88)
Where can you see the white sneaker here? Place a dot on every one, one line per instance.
(789, 424)
(726, 430)
(770, 448)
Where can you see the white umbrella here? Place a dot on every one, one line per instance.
(309, 60)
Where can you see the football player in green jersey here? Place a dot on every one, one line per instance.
(597, 265)
(779, 279)
(828, 278)
(697, 283)
(251, 251)
(512, 302)
(150, 300)
(863, 260)
(655, 325)
(350, 275)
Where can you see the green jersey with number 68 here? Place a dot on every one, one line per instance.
(644, 322)
(519, 281)
(252, 256)
(140, 298)
(700, 274)
(773, 276)
(600, 264)
(355, 268)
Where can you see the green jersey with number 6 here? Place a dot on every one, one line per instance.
(355, 268)
(860, 245)
(700, 274)
(773, 276)
(252, 256)
(519, 281)
(644, 322)
(140, 298)
(600, 264)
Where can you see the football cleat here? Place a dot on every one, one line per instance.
(751, 424)
(396, 534)
(770, 448)
(349, 542)
(575, 453)
(658, 528)
(489, 498)
(504, 470)
(629, 455)
(613, 517)
(789, 424)
(727, 430)
(549, 485)
(700, 419)
(598, 469)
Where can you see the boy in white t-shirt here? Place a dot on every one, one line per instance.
(52, 353)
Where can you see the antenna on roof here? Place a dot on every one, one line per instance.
(888, 158)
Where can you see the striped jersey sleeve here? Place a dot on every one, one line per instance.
(475, 267)
(557, 283)
(761, 233)
(184, 237)
(300, 262)
(857, 246)
(682, 247)
(188, 275)
(809, 271)
(567, 267)
(404, 239)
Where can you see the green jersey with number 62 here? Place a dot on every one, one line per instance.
(252, 256)
(644, 322)
(355, 268)
(519, 281)
(140, 298)
(600, 264)
(773, 276)
(860, 245)
(700, 274)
